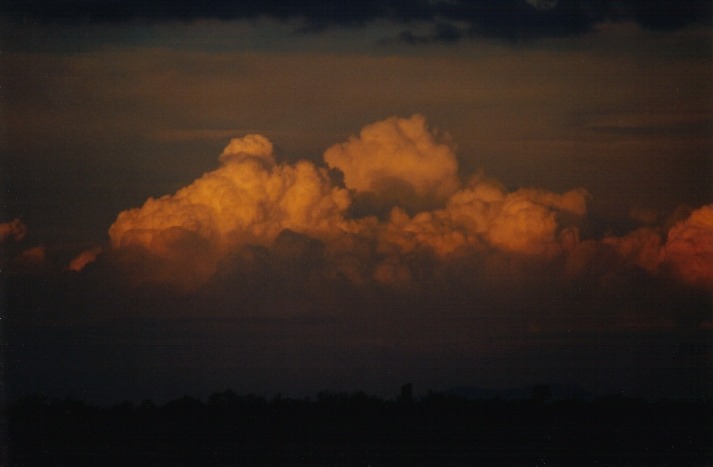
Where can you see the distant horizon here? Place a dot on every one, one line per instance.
(557, 392)
(343, 429)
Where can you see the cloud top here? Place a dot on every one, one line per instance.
(395, 158)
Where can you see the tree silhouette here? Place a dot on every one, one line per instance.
(406, 395)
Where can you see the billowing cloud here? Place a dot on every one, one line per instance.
(641, 247)
(398, 159)
(526, 221)
(250, 199)
(689, 248)
(14, 230)
(254, 201)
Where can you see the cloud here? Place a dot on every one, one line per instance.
(480, 218)
(641, 247)
(526, 221)
(498, 18)
(260, 216)
(14, 230)
(31, 260)
(687, 251)
(17, 258)
(644, 216)
(689, 248)
(250, 199)
(84, 258)
(251, 146)
(399, 159)
(543, 4)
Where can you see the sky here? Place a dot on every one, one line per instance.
(289, 197)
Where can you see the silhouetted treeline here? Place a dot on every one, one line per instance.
(359, 429)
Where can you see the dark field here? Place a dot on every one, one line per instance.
(358, 429)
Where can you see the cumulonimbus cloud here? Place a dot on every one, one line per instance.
(251, 199)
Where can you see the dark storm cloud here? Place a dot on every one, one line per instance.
(513, 19)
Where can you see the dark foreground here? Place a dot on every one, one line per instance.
(357, 429)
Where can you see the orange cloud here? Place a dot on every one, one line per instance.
(399, 158)
(82, 259)
(689, 248)
(524, 222)
(250, 199)
(393, 274)
(687, 251)
(641, 247)
(31, 260)
(480, 218)
(13, 230)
